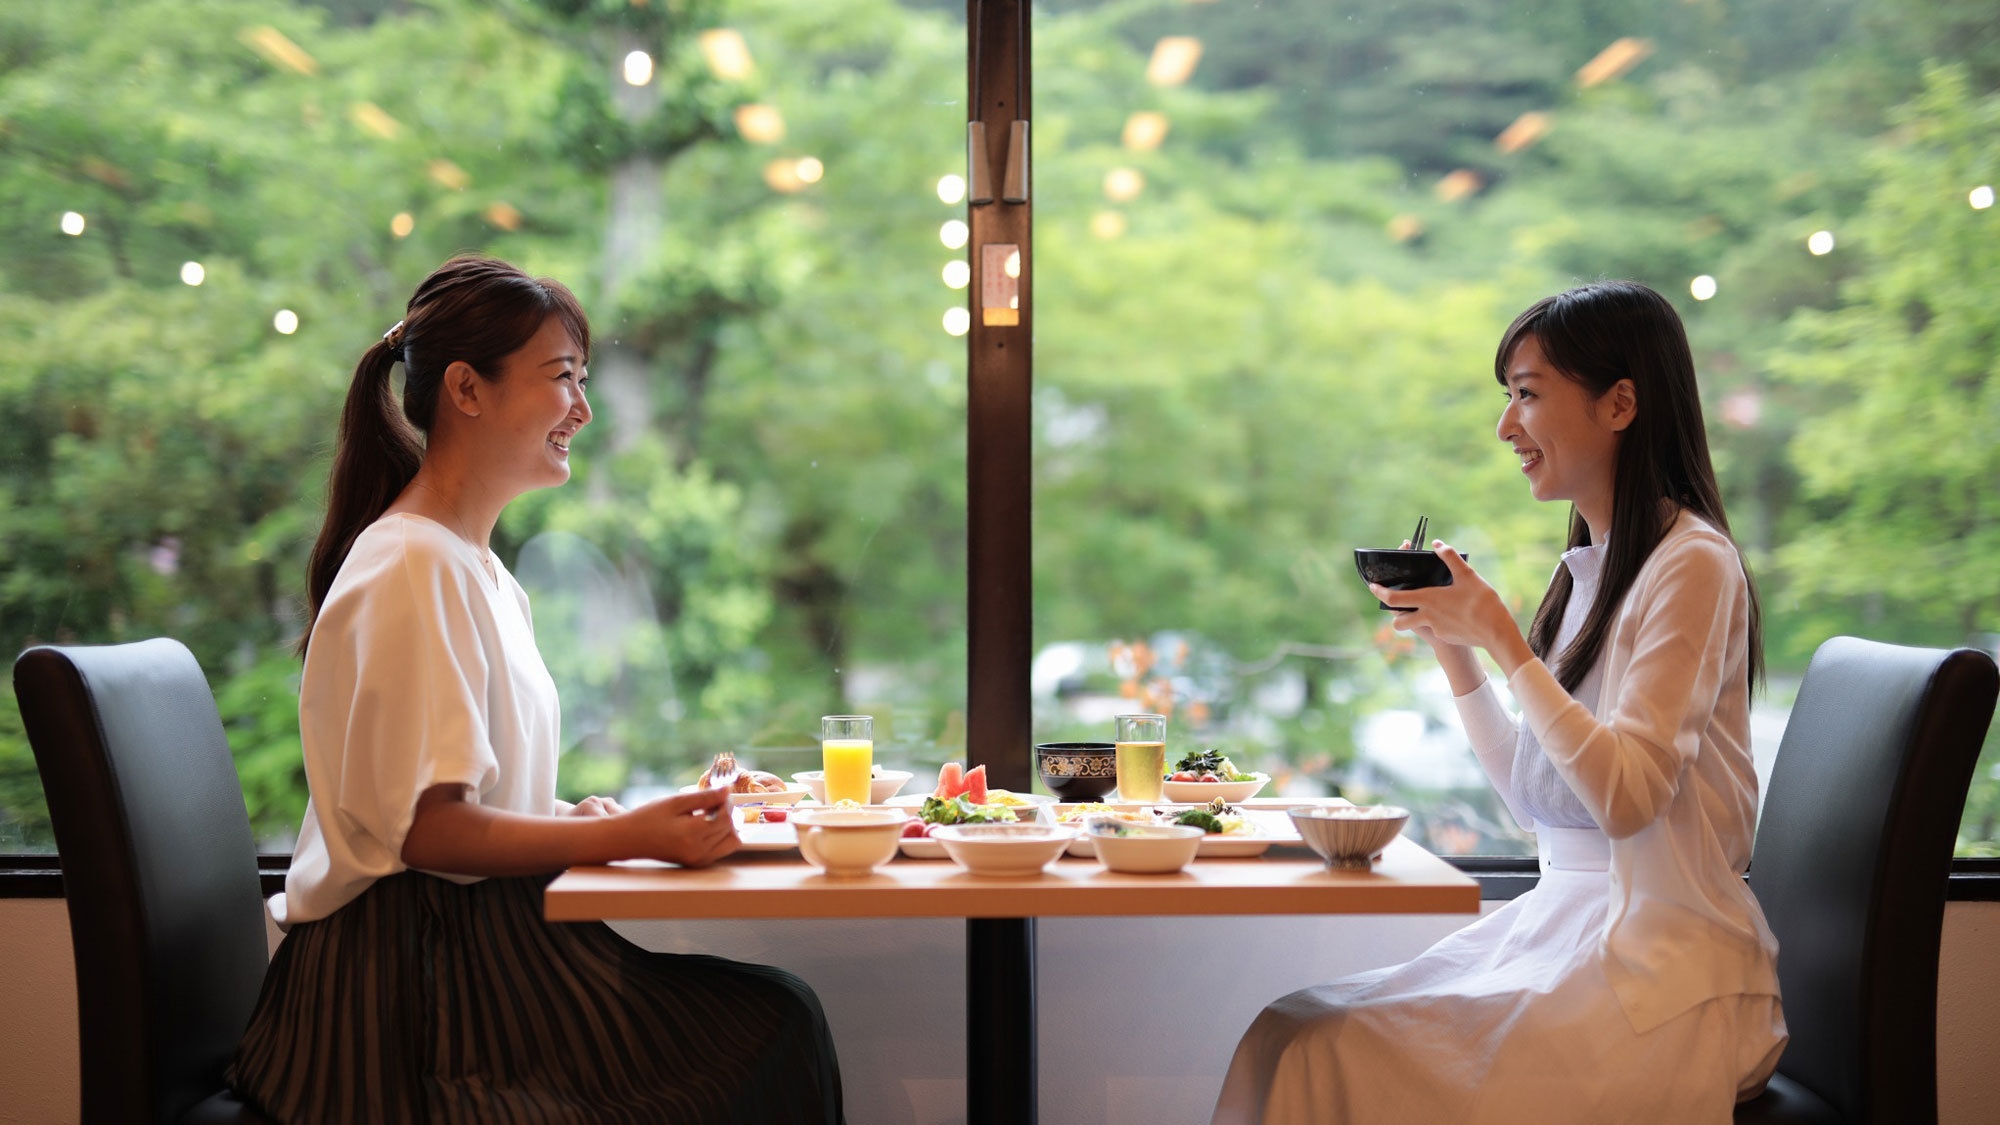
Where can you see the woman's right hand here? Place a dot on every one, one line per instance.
(692, 829)
(1460, 662)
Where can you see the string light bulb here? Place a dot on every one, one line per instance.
(1981, 197)
(957, 321)
(958, 273)
(954, 234)
(72, 223)
(1702, 287)
(192, 273)
(286, 322)
(951, 188)
(638, 68)
(1820, 243)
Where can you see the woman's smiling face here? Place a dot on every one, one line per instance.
(536, 406)
(1567, 440)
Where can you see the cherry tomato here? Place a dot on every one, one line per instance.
(1204, 777)
(1182, 776)
(914, 828)
(776, 816)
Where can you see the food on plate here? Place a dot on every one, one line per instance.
(1096, 809)
(1006, 798)
(961, 811)
(1208, 765)
(957, 781)
(749, 781)
(1216, 817)
(765, 814)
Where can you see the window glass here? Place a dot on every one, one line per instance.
(211, 211)
(1277, 244)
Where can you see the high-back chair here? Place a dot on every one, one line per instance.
(1852, 856)
(159, 871)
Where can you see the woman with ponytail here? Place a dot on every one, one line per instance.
(1637, 981)
(418, 981)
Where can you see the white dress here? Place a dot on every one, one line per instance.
(422, 671)
(1518, 1017)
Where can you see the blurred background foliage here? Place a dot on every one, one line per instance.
(1263, 336)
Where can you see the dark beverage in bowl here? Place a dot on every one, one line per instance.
(1401, 568)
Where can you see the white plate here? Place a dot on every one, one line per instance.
(923, 847)
(1269, 826)
(916, 801)
(761, 837)
(790, 795)
(1202, 792)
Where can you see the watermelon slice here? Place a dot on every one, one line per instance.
(975, 785)
(951, 781)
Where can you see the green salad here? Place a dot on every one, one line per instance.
(961, 810)
(1200, 762)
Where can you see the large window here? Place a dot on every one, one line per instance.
(211, 211)
(1278, 243)
(1275, 244)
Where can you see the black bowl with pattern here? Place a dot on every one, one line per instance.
(1078, 771)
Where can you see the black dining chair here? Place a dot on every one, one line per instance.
(159, 871)
(1851, 861)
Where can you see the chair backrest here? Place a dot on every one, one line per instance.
(1851, 863)
(159, 870)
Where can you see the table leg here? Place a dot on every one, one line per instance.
(1000, 1021)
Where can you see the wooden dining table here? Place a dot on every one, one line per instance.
(1000, 918)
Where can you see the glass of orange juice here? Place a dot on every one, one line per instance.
(847, 753)
(1141, 757)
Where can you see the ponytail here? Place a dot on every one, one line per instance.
(471, 309)
(376, 458)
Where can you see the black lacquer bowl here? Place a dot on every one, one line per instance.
(1401, 569)
(1078, 771)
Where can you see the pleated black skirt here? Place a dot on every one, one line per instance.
(425, 1000)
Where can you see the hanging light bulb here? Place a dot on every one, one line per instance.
(957, 273)
(951, 188)
(957, 321)
(954, 234)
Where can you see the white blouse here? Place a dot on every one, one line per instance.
(1667, 776)
(422, 671)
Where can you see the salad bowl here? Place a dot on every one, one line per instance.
(1202, 792)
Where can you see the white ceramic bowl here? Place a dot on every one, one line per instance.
(1144, 849)
(881, 787)
(1003, 849)
(789, 795)
(1202, 792)
(1349, 837)
(848, 842)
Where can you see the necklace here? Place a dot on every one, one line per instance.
(485, 556)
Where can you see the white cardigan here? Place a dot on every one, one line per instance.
(1667, 774)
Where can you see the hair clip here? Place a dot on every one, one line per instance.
(395, 334)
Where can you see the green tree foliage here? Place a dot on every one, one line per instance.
(1278, 350)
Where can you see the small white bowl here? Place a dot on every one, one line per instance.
(1144, 849)
(789, 795)
(1202, 792)
(848, 842)
(1349, 837)
(881, 787)
(1013, 850)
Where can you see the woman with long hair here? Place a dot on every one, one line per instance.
(417, 980)
(1637, 981)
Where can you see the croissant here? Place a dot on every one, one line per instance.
(749, 781)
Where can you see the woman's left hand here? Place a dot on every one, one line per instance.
(596, 806)
(1467, 612)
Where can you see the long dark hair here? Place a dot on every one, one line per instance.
(1595, 335)
(472, 308)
